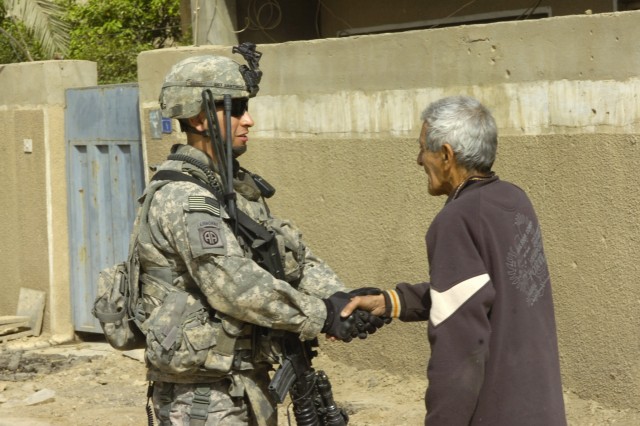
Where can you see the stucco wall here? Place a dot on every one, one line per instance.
(23, 214)
(33, 218)
(336, 125)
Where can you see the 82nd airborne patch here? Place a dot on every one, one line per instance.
(210, 237)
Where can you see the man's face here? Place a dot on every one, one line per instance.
(433, 165)
(240, 123)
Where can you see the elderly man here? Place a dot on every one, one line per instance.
(494, 353)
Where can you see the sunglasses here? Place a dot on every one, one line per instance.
(238, 106)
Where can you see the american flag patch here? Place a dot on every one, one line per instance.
(204, 204)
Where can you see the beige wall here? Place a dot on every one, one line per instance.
(33, 218)
(336, 124)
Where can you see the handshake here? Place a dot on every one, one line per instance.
(359, 323)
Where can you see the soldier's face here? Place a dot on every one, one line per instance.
(241, 121)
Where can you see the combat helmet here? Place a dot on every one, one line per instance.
(181, 93)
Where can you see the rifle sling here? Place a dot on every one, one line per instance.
(259, 238)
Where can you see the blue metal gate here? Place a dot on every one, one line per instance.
(105, 176)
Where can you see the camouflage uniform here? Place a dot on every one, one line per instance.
(216, 328)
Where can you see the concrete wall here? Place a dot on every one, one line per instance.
(34, 242)
(336, 128)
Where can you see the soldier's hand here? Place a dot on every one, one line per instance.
(342, 328)
(365, 291)
(367, 323)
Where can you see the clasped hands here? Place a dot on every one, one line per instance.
(355, 314)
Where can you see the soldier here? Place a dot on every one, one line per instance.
(213, 311)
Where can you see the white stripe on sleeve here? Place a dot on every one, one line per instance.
(446, 303)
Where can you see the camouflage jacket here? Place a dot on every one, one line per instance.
(190, 236)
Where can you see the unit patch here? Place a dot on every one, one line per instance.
(200, 203)
(210, 237)
(205, 229)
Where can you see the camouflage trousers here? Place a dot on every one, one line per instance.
(235, 400)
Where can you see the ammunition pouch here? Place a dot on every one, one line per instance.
(184, 335)
(232, 348)
(179, 332)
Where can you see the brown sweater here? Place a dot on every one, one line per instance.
(494, 353)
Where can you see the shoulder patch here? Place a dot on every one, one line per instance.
(200, 203)
(210, 238)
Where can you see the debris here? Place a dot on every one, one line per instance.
(40, 397)
(137, 354)
(28, 318)
(14, 361)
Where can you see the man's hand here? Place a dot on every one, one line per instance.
(371, 303)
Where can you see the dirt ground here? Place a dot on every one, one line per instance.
(88, 383)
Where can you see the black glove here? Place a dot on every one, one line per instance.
(365, 291)
(341, 328)
(367, 323)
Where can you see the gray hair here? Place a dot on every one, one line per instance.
(466, 125)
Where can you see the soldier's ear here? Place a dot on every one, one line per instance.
(198, 122)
